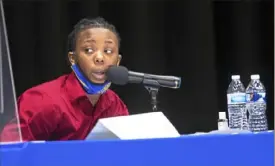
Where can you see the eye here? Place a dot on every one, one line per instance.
(108, 51)
(89, 50)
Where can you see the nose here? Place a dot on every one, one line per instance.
(99, 58)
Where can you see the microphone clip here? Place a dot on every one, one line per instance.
(153, 87)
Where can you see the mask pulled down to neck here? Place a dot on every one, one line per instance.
(88, 86)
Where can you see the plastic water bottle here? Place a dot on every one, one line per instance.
(222, 121)
(256, 104)
(236, 104)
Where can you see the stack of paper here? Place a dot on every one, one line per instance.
(139, 126)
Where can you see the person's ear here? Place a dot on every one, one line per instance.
(119, 59)
(71, 57)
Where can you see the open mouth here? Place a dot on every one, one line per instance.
(99, 75)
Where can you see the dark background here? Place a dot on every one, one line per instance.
(202, 41)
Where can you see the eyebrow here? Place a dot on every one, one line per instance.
(108, 41)
(89, 40)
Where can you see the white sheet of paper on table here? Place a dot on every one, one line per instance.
(138, 126)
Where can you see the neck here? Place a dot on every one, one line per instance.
(93, 98)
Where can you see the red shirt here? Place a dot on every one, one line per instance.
(61, 110)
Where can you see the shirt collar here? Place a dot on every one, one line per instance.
(73, 87)
(75, 92)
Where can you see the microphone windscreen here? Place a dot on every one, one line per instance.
(117, 75)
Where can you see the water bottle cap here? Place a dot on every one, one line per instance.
(255, 76)
(222, 115)
(235, 77)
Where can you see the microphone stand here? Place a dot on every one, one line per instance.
(152, 86)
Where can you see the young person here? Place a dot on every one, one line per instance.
(68, 107)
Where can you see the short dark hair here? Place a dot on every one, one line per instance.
(86, 23)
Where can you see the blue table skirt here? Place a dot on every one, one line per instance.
(255, 149)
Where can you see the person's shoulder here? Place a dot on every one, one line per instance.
(43, 94)
(119, 107)
(112, 96)
(49, 88)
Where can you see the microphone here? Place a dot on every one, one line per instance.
(120, 75)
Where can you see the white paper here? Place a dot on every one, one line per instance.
(139, 126)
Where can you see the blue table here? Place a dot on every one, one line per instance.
(191, 150)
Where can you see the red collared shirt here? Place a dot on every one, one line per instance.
(61, 110)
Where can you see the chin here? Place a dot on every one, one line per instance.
(97, 81)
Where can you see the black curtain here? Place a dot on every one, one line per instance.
(202, 41)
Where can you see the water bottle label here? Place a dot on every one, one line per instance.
(256, 97)
(236, 98)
